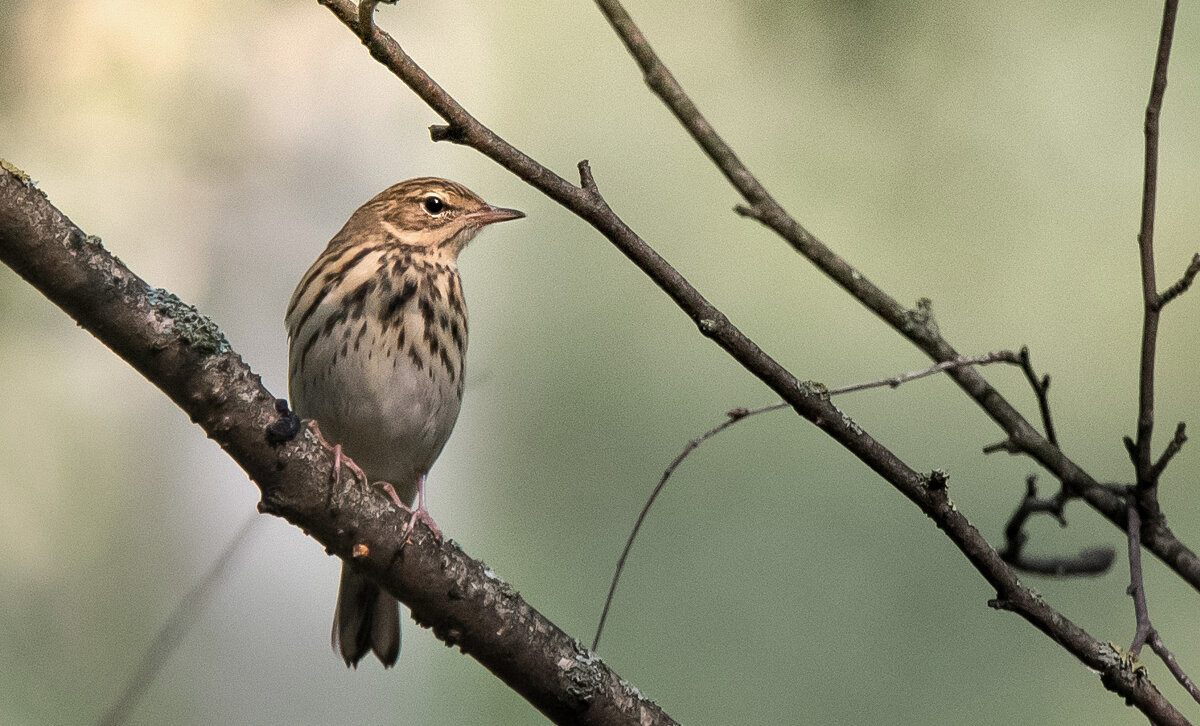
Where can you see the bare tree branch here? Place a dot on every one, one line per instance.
(737, 414)
(999, 356)
(1137, 587)
(1088, 562)
(1142, 464)
(1145, 632)
(587, 202)
(1022, 437)
(1160, 649)
(184, 354)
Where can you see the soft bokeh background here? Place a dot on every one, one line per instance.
(985, 155)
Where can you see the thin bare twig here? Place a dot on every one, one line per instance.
(1041, 388)
(1145, 632)
(1143, 466)
(1160, 649)
(1173, 448)
(1087, 562)
(999, 356)
(171, 634)
(735, 415)
(1137, 588)
(1182, 284)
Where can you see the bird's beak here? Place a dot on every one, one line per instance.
(491, 215)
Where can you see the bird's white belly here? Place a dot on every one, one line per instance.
(391, 416)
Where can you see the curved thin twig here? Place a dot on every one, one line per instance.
(735, 415)
(1182, 284)
(177, 625)
(740, 414)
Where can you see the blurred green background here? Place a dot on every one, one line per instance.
(985, 155)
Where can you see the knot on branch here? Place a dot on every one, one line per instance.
(286, 427)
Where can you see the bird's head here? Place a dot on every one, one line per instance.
(430, 214)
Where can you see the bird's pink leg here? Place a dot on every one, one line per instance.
(420, 513)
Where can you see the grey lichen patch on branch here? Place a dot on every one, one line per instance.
(821, 391)
(814, 388)
(1114, 656)
(632, 690)
(193, 328)
(116, 275)
(850, 424)
(18, 172)
(584, 673)
(921, 318)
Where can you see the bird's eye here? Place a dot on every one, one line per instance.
(433, 204)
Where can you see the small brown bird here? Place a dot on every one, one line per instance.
(377, 332)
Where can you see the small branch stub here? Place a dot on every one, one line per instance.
(1173, 448)
(366, 20)
(448, 132)
(586, 181)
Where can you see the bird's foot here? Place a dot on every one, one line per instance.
(421, 514)
(415, 514)
(339, 458)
